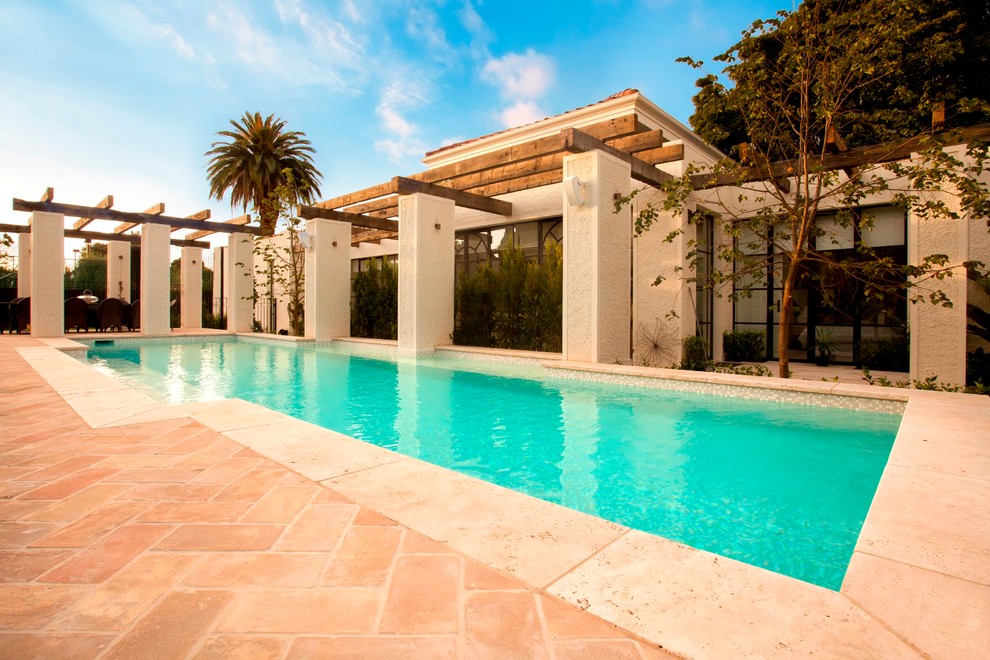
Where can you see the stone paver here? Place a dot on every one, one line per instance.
(167, 540)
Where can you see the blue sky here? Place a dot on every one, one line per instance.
(124, 97)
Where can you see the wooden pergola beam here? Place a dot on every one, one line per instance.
(157, 209)
(100, 236)
(358, 196)
(356, 219)
(668, 154)
(638, 141)
(48, 195)
(873, 154)
(576, 141)
(610, 129)
(75, 211)
(238, 221)
(105, 203)
(407, 186)
(373, 236)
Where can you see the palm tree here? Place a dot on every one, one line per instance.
(254, 163)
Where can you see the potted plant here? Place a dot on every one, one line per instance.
(825, 344)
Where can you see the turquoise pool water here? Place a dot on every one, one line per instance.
(780, 486)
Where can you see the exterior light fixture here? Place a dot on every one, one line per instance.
(574, 191)
(436, 226)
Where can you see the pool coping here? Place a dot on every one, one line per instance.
(918, 584)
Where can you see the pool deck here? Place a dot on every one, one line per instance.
(206, 530)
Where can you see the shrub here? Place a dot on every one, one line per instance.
(744, 345)
(978, 367)
(214, 321)
(375, 301)
(519, 306)
(884, 354)
(695, 356)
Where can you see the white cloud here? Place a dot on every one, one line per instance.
(351, 11)
(397, 98)
(422, 24)
(522, 79)
(526, 76)
(521, 112)
(322, 51)
(179, 45)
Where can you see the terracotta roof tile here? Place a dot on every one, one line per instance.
(625, 92)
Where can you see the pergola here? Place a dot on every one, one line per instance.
(41, 259)
(475, 182)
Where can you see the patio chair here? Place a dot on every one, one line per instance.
(111, 311)
(127, 315)
(75, 314)
(20, 314)
(136, 315)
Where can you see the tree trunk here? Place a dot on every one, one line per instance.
(786, 305)
(267, 219)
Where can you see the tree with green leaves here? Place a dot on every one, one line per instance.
(807, 83)
(281, 259)
(255, 162)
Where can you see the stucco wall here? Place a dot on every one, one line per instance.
(597, 262)
(155, 288)
(328, 280)
(23, 265)
(426, 272)
(191, 288)
(119, 270)
(239, 282)
(47, 284)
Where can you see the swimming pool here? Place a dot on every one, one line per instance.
(781, 486)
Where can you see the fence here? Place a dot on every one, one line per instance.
(265, 309)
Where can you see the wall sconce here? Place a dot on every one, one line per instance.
(574, 191)
(306, 239)
(436, 226)
(334, 244)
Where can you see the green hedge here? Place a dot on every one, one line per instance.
(884, 354)
(744, 346)
(695, 357)
(518, 306)
(375, 301)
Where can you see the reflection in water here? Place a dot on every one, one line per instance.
(779, 486)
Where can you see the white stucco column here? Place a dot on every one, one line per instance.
(24, 265)
(938, 334)
(239, 276)
(219, 280)
(155, 290)
(191, 288)
(597, 261)
(328, 279)
(426, 272)
(47, 275)
(119, 270)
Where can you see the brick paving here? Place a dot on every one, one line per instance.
(169, 540)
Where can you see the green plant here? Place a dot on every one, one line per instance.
(928, 383)
(695, 356)
(518, 306)
(375, 301)
(804, 83)
(746, 370)
(884, 354)
(261, 156)
(744, 345)
(214, 321)
(825, 342)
